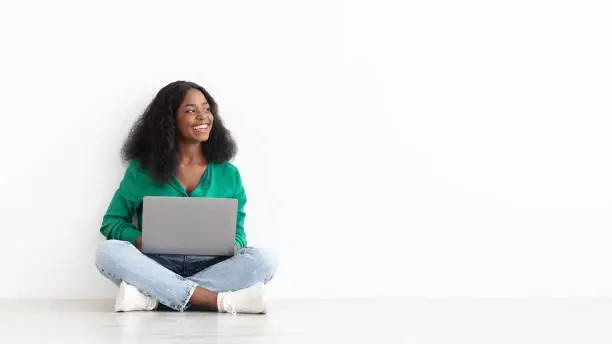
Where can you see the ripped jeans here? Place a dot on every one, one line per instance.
(171, 279)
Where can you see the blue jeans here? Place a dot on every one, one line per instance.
(171, 279)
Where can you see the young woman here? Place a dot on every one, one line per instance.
(180, 147)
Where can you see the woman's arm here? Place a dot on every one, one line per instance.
(117, 222)
(240, 195)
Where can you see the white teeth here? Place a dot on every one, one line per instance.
(203, 126)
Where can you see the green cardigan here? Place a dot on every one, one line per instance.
(219, 181)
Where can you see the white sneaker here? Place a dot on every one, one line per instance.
(130, 299)
(249, 300)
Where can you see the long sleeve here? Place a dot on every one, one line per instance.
(240, 195)
(117, 222)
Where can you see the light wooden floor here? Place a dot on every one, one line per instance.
(317, 322)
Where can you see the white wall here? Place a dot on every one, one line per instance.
(425, 148)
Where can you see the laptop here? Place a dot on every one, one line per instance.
(189, 225)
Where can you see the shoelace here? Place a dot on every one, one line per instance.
(230, 308)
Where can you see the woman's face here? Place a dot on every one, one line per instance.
(194, 119)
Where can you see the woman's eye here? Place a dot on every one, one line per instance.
(190, 110)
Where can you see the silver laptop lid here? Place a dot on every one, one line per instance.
(189, 225)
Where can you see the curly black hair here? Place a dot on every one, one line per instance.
(152, 140)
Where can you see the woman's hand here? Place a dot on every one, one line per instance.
(235, 249)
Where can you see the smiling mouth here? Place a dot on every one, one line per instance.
(202, 127)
